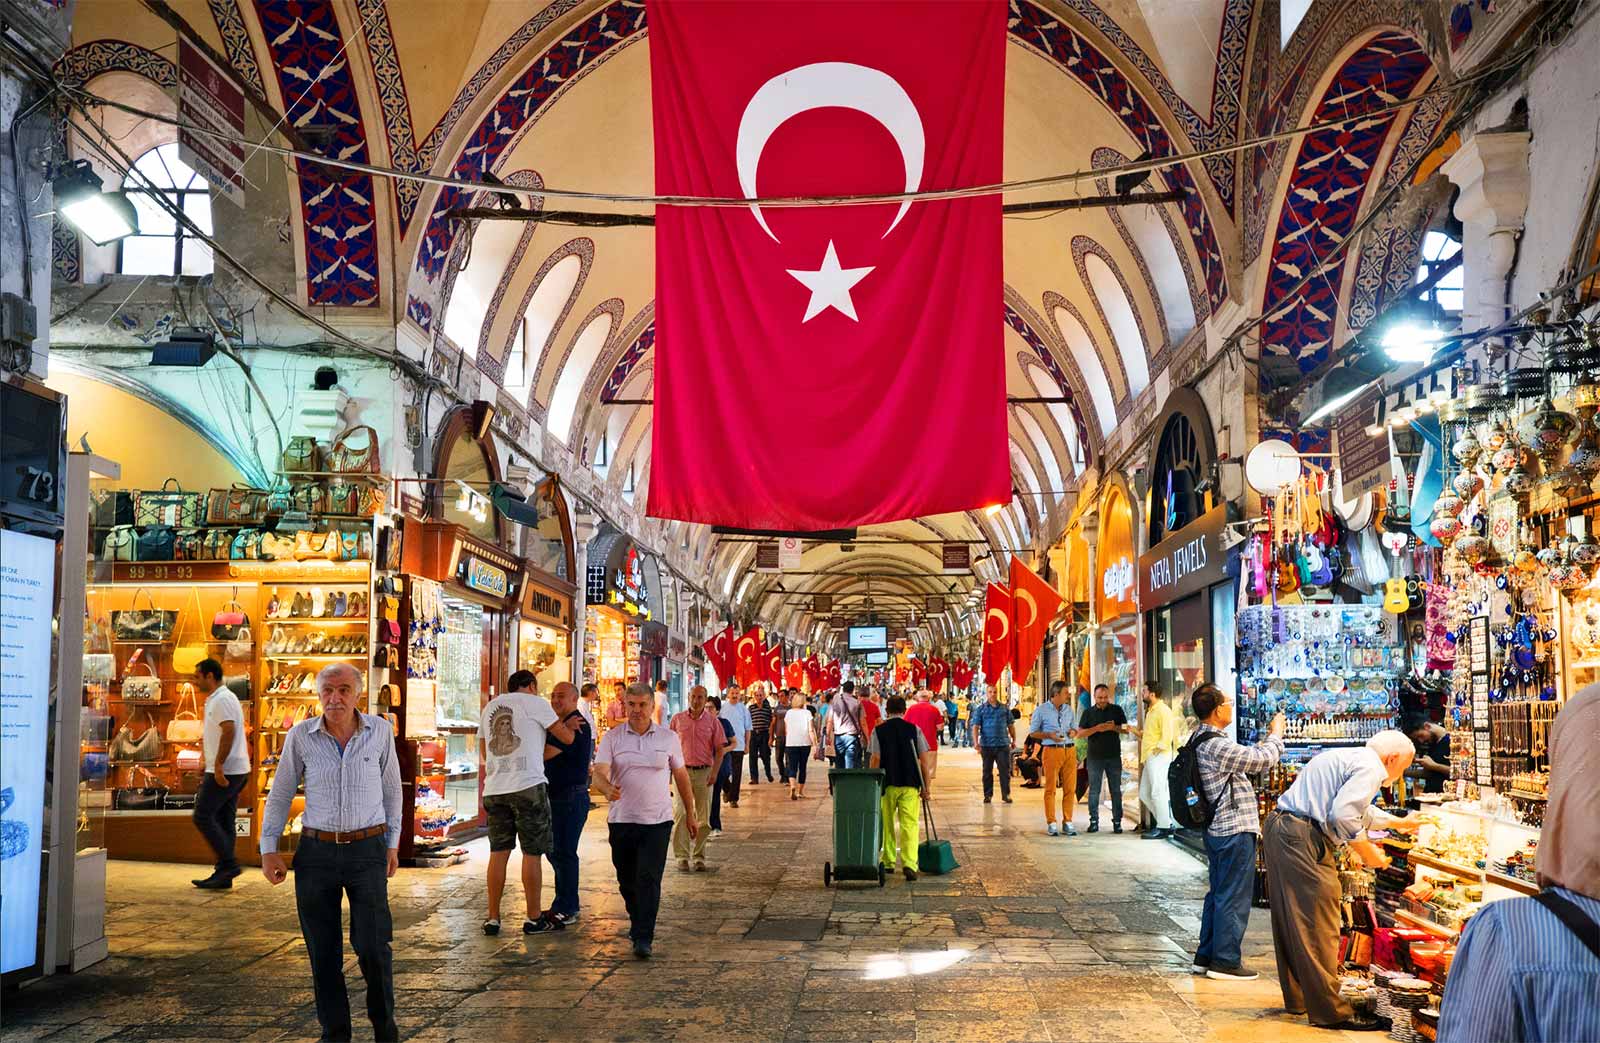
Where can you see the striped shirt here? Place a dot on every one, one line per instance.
(1521, 976)
(346, 790)
(1223, 767)
(760, 717)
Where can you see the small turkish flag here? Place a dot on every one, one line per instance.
(961, 674)
(998, 643)
(747, 653)
(835, 674)
(772, 665)
(815, 675)
(853, 318)
(918, 672)
(719, 652)
(938, 669)
(1034, 604)
(794, 675)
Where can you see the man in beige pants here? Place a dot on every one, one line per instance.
(700, 732)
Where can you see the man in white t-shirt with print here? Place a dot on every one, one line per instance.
(227, 763)
(511, 736)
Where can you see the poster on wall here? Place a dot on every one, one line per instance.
(27, 599)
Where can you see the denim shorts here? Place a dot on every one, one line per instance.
(523, 816)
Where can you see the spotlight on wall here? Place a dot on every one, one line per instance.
(191, 346)
(103, 216)
(1333, 392)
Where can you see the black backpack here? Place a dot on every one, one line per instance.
(1191, 807)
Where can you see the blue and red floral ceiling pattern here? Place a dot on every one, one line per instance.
(1320, 210)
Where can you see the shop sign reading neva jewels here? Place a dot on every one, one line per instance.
(1189, 560)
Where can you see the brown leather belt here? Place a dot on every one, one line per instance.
(343, 838)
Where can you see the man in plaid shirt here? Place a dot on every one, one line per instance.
(1231, 838)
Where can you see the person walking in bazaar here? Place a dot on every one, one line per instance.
(901, 750)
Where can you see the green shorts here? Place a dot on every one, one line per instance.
(523, 816)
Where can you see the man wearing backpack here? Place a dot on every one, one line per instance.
(1211, 790)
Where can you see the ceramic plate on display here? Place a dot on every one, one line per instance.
(1335, 685)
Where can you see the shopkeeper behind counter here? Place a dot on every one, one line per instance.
(1433, 751)
(1329, 805)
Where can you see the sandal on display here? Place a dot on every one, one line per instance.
(319, 602)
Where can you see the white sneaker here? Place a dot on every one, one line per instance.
(1220, 973)
(716, 832)
(1052, 830)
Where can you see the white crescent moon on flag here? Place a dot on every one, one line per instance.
(1033, 607)
(743, 643)
(829, 85)
(1005, 624)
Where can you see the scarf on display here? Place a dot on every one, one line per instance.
(1569, 845)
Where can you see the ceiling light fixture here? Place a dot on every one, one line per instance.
(103, 216)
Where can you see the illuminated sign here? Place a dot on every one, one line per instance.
(1186, 562)
(1117, 579)
(477, 574)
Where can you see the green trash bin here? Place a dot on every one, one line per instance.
(857, 826)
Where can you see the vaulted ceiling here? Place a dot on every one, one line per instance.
(559, 320)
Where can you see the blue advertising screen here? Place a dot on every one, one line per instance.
(27, 603)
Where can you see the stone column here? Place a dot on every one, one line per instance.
(583, 530)
(1491, 170)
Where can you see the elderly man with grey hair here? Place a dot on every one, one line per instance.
(1329, 805)
(349, 846)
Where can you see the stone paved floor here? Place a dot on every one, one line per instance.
(1033, 938)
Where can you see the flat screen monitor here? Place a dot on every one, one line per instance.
(869, 639)
(878, 658)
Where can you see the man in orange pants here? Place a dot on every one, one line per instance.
(1051, 727)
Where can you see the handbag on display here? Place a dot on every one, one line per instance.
(312, 545)
(95, 725)
(156, 544)
(302, 454)
(276, 548)
(187, 544)
(346, 458)
(309, 497)
(143, 624)
(169, 506)
(240, 645)
(350, 546)
(389, 632)
(239, 685)
(225, 625)
(236, 506)
(278, 502)
(94, 767)
(120, 544)
(99, 667)
(141, 688)
(189, 651)
(246, 545)
(186, 725)
(146, 748)
(110, 508)
(182, 801)
(215, 544)
(141, 798)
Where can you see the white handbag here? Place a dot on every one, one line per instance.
(186, 725)
(142, 688)
(240, 645)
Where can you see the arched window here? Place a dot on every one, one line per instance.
(163, 246)
(1437, 248)
(1120, 318)
(564, 400)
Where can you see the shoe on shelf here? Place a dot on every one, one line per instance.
(910, 874)
(1238, 972)
(540, 926)
(1052, 830)
(641, 950)
(491, 927)
(683, 865)
(1153, 834)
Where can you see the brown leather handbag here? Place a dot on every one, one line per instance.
(349, 459)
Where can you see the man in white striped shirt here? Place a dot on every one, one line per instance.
(349, 845)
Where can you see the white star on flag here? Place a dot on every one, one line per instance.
(830, 286)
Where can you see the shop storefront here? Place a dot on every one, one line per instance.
(1115, 646)
(544, 631)
(623, 603)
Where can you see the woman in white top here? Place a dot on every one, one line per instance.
(799, 735)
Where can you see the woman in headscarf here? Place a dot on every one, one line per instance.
(1528, 969)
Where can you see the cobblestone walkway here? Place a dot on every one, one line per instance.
(1033, 938)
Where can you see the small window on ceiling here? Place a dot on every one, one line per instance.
(1290, 15)
(517, 362)
(1439, 248)
(165, 247)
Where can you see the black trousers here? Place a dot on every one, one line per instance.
(760, 756)
(215, 808)
(639, 854)
(996, 760)
(324, 874)
(730, 780)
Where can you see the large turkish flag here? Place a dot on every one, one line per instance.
(827, 366)
(748, 656)
(719, 653)
(998, 642)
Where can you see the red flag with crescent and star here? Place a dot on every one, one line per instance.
(919, 670)
(835, 674)
(719, 653)
(938, 670)
(853, 317)
(815, 675)
(794, 674)
(1034, 604)
(772, 664)
(998, 643)
(747, 652)
(961, 674)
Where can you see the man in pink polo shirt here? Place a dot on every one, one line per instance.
(700, 732)
(632, 768)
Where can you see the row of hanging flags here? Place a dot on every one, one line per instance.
(747, 659)
(852, 317)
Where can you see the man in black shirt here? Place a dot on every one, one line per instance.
(902, 751)
(1433, 751)
(566, 769)
(760, 736)
(1103, 723)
